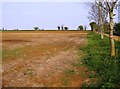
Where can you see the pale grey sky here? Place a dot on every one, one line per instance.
(47, 15)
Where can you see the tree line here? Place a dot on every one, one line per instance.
(100, 11)
(80, 27)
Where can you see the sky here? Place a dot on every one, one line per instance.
(45, 15)
(119, 12)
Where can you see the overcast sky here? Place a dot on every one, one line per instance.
(45, 15)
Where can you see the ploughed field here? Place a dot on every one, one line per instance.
(43, 59)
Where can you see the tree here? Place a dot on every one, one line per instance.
(105, 8)
(36, 28)
(62, 27)
(109, 6)
(100, 18)
(93, 12)
(58, 27)
(3, 29)
(85, 27)
(66, 28)
(98, 15)
(92, 25)
(80, 27)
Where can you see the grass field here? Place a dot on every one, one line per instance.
(43, 58)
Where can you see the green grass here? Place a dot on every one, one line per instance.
(65, 81)
(69, 72)
(0, 54)
(6, 53)
(78, 64)
(98, 59)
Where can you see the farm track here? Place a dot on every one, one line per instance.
(42, 59)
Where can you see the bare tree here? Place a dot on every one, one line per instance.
(109, 6)
(93, 12)
(85, 27)
(98, 15)
(100, 18)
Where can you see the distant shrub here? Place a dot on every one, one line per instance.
(62, 27)
(58, 27)
(36, 28)
(93, 26)
(80, 27)
(66, 28)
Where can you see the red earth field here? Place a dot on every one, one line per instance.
(43, 59)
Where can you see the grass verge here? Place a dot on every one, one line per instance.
(98, 59)
(68, 74)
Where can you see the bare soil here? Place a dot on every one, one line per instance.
(41, 59)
